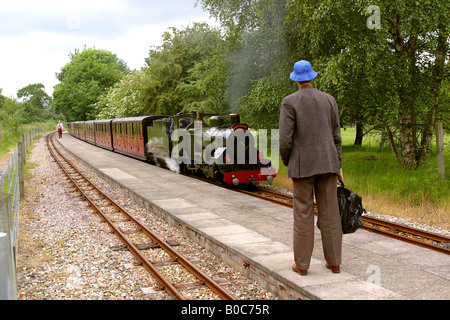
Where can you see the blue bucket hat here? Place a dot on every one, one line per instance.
(303, 71)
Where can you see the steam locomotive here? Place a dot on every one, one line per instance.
(191, 143)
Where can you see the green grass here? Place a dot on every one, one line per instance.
(10, 137)
(8, 141)
(369, 170)
(373, 172)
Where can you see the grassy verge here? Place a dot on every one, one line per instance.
(372, 171)
(9, 138)
(8, 141)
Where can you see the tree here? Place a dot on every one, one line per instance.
(2, 99)
(206, 90)
(125, 99)
(378, 73)
(33, 105)
(418, 34)
(258, 59)
(334, 36)
(84, 79)
(237, 16)
(390, 77)
(36, 103)
(10, 114)
(186, 72)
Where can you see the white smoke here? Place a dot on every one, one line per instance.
(172, 164)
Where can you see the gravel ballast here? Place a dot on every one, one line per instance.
(66, 252)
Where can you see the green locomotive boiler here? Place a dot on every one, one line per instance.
(203, 145)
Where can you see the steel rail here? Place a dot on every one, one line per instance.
(261, 196)
(369, 223)
(393, 230)
(168, 287)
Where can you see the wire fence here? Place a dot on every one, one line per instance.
(12, 189)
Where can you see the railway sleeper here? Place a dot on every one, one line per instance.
(189, 285)
(143, 246)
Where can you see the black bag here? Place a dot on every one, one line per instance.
(350, 208)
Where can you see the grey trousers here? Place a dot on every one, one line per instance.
(324, 187)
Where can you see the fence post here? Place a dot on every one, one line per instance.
(440, 149)
(8, 281)
(20, 162)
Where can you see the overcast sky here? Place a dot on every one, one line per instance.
(36, 36)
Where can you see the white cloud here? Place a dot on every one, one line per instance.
(30, 62)
(37, 36)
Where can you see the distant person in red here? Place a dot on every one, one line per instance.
(60, 128)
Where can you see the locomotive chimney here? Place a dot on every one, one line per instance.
(235, 118)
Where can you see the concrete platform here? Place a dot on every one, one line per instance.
(255, 237)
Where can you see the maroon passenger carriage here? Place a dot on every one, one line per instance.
(103, 134)
(129, 135)
(77, 129)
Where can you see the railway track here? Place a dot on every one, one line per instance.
(394, 230)
(113, 214)
(390, 229)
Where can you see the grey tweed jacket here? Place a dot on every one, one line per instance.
(310, 135)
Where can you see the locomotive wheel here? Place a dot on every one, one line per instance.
(218, 176)
(183, 168)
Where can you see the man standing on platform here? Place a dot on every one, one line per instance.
(310, 147)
